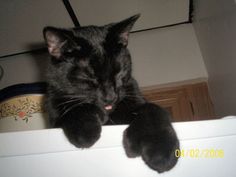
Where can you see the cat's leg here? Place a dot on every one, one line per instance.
(151, 136)
(82, 125)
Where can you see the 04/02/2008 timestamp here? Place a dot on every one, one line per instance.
(200, 153)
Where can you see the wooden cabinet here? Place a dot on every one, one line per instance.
(185, 102)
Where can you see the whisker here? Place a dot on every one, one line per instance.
(131, 96)
(68, 101)
(74, 96)
(69, 109)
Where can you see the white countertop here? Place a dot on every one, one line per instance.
(31, 148)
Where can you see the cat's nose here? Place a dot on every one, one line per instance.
(110, 99)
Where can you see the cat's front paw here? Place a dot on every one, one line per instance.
(158, 152)
(83, 134)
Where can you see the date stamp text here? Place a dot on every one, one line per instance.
(199, 153)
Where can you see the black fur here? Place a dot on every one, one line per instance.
(90, 84)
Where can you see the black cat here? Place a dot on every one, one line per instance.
(90, 84)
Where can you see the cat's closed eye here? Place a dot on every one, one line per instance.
(81, 76)
(84, 83)
(85, 78)
(73, 52)
(88, 84)
(76, 48)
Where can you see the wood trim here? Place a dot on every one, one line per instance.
(185, 102)
(201, 101)
(177, 84)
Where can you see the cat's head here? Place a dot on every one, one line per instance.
(92, 60)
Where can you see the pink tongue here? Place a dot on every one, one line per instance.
(108, 107)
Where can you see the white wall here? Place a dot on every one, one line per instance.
(166, 55)
(22, 23)
(159, 56)
(154, 13)
(215, 26)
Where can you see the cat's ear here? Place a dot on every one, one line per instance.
(123, 28)
(55, 40)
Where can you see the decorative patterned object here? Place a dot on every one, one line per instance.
(22, 107)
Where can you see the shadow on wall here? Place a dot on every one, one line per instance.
(41, 58)
(25, 68)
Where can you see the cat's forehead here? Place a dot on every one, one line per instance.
(93, 34)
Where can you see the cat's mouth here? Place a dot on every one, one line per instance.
(108, 107)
